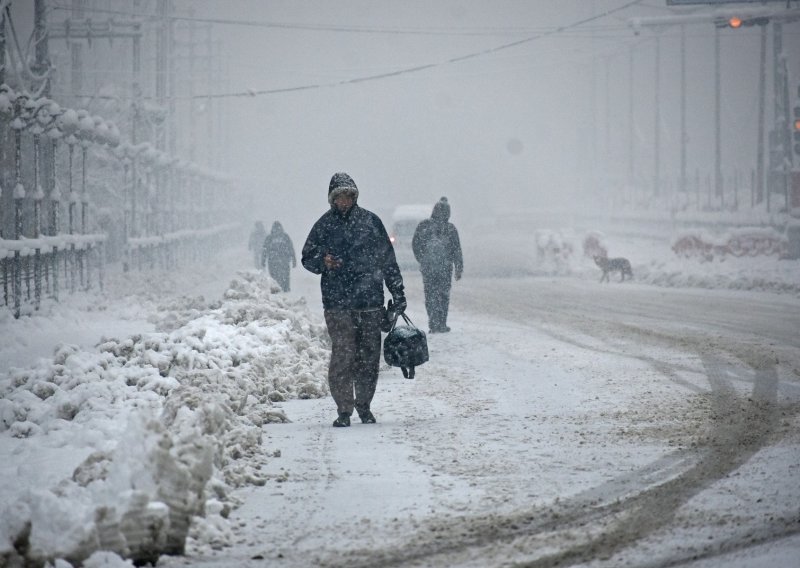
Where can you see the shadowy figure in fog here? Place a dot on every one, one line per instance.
(254, 244)
(278, 253)
(350, 248)
(438, 250)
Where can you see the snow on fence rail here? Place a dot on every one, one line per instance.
(33, 268)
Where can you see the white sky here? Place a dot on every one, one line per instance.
(512, 127)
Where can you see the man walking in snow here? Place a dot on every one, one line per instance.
(349, 247)
(438, 250)
(278, 254)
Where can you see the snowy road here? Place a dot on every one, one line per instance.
(562, 422)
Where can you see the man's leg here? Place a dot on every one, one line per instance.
(284, 278)
(367, 361)
(342, 331)
(429, 288)
(438, 302)
(444, 290)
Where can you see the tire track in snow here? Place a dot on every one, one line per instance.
(613, 517)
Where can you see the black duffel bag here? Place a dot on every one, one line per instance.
(406, 347)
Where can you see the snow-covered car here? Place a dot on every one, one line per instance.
(405, 219)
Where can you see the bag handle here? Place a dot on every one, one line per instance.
(407, 320)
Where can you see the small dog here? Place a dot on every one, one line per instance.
(607, 265)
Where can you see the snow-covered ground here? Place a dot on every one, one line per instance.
(170, 416)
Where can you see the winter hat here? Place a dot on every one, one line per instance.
(441, 211)
(341, 183)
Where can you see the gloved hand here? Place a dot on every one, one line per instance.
(458, 275)
(400, 304)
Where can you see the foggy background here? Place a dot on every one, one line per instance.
(542, 125)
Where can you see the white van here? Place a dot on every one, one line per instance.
(405, 219)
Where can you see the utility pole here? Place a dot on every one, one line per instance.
(137, 95)
(593, 109)
(717, 117)
(762, 96)
(223, 131)
(76, 55)
(3, 124)
(631, 115)
(172, 90)
(684, 138)
(192, 133)
(781, 150)
(42, 69)
(210, 142)
(607, 125)
(2, 49)
(42, 65)
(657, 129)
(783, 120)
(161, 70)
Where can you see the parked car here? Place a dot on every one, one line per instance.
(405, 219)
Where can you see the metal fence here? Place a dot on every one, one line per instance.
(122, 203)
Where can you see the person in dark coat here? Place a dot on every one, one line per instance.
(255, 242)
(349, 247)
(438, 250)
(278, 253)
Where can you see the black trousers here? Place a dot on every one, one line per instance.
(355, 357)
(436, 285)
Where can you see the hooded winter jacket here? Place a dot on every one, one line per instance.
(359, 239)
(436, 245)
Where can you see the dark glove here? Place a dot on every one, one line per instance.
(400, 304)
(458, 275)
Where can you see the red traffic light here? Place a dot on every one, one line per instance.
(735, 22)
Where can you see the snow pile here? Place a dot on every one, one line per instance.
(763, 274)
(748, 261)
(746, 241)
(160, 425)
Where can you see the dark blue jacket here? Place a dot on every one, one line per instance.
(360, 241)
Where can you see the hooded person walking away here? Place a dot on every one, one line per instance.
(278, 253)
(255, 241)
(349, 247)
(438, 250)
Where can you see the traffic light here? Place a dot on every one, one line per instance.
(737, 22)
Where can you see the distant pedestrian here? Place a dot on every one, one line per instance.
(350, 248)
(278, 253)
(438, 250)
(256, 241)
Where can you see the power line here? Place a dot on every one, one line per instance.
(398, 72)
(417, 68)
(482, 31)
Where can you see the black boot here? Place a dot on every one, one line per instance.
(367, 417)
(342, 421)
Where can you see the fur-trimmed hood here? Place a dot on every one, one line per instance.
(341, 183)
